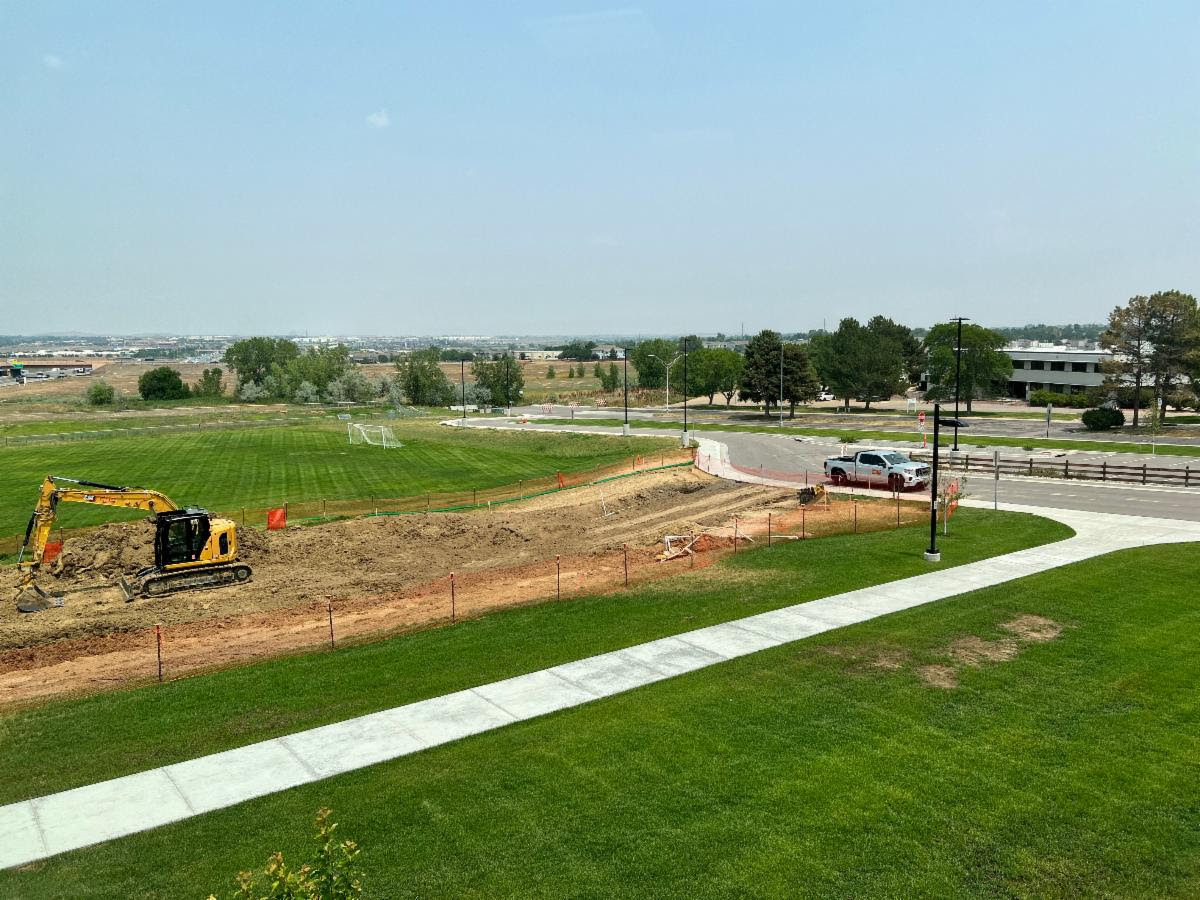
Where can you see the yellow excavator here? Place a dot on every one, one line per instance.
(192, 548)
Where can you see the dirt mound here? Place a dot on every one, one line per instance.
(108, 551)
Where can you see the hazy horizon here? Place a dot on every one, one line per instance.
(564, 169)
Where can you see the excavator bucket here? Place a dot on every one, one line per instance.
(33, 599)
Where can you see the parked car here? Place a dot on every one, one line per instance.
(880, 467)
(824, 396)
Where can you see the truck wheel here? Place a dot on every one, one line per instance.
(895, 483)
(838, 476)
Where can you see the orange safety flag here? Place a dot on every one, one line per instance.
(952, 498)
(51, 551)
(639, 462)
(276, 518)
(562, 482)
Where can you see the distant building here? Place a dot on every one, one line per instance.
(1064, 370)
(609, 351)
(537, 354)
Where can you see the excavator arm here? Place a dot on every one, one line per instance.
(56, 490)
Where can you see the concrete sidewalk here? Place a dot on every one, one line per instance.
(44, 826)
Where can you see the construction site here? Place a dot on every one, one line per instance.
(358, 578)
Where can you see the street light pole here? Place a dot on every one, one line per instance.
(667, 366)
(463, 376)
(625, 358)
(684, 440)
(957, 372)
(932, 554)
(781, 381)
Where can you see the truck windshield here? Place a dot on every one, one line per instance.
(895, 459)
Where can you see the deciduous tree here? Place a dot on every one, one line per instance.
(985, 366)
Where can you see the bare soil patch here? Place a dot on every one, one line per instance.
(381, 575)
(1035, 629)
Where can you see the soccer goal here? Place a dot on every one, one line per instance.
(375, 435)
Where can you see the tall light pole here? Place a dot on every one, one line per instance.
(463, 376)
(932, 554)
(684, 438)
(957, 372)
(781, 381)
(668, 368)
(625, 359)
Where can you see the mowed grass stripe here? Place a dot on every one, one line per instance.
(797, 771)
(226, 470)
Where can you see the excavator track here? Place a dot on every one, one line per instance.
(194, 580)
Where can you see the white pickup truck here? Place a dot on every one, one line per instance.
(880, 467)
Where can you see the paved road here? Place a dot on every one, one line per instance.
(786, 454)
(984, 427)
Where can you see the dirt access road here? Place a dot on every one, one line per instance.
(380, 574)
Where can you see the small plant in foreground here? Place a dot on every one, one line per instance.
(331, 876)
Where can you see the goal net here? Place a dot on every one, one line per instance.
(375, 435)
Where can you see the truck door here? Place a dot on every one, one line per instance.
(872, 464)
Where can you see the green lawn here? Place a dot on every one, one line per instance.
(68, 743)
(225, 470)
(1071, 769)
(860, 435)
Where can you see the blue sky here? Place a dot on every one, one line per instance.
(570, 168)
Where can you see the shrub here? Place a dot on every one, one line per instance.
(1069, 401)
(306, 392)
(101, 393)
(163, 383)
(252, 392)
(1102, 419)
(1182, 399)
(332, 874)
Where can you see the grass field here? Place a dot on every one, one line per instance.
(1068, 770)
(860, 435)
(67, 743)
(225, 470)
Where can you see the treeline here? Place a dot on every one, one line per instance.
(1052, 334)
(859, 362)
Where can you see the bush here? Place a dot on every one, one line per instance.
(163, 383)
(332, 874)
(1103, 418)
(252, 392)
(101, 393)
(1067, 401)
(306, 392)
(1182, 400)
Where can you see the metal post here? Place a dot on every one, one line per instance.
(996, 479)
(854, 503)
(453, 599)
(557, 577)
(781, 381)
(329, 610)
(735, 533)
(768, 529)
(463, 376)
(932, 554)
(625, 552)
(684, 439)
(158, 648)
(957, 373)
(625, 359)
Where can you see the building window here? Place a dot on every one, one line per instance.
(1037, 364)
(1079, 367)
(1057, 366)
(1018, 363)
